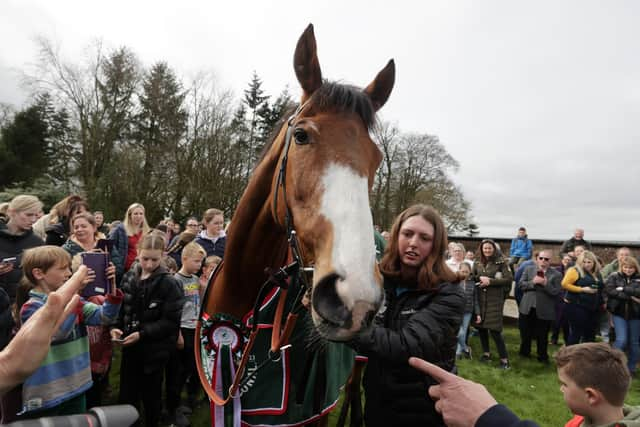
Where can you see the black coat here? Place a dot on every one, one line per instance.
(153, 307)
(415, 323)
(619, 302)
(12, 245)
(6, 319)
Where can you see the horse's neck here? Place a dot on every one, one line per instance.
(255, 242)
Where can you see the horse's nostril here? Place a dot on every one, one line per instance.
(328, 304)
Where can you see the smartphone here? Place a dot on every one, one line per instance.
(10, 260)
(540, 273)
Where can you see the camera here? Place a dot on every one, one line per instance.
(100, 416)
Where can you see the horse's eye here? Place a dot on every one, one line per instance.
(301, 136)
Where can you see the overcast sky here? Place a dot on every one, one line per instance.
(538, 101)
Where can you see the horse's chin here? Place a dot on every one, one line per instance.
(342, 332)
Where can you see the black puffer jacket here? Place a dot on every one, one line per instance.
(153, 307)
(619, 290)
(6, 319)
(12, 245)
(415, 323)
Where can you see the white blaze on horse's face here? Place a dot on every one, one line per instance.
(347, 287)
(353, 295)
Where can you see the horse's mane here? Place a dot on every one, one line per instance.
(335, 97)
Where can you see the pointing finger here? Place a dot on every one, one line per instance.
(432, 370)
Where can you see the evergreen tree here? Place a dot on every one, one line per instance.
(271, 115)
(254, 100)
(23, 154)
(159, 130)
(33, 142)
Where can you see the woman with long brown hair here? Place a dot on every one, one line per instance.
(493, 278)
(423, 310)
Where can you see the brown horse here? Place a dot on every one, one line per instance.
(314, 178)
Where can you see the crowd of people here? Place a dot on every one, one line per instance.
(578, 298)
(155, 278)
(436, 296)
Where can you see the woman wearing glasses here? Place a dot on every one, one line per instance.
(584, 287)
(493, 278)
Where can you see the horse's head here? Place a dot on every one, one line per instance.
(330, 169)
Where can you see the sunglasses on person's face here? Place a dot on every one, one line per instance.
(541, 258)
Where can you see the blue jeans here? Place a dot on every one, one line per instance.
(628, 334)
(582, 323)
(462, 334)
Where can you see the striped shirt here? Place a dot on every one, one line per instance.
(66, 371)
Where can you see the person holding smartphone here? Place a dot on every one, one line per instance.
(540, 285)
(15, 236)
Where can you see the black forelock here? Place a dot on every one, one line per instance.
(333, 96)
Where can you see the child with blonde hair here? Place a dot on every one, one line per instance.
(192, 256)
(58, 386)
(208, 267)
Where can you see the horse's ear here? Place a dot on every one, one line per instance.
(306, 64)
(380, 88)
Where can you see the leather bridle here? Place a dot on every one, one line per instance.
(291, 276)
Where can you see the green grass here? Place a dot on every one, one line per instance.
(529, 388)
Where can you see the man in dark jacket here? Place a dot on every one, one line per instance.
(540, 285)
(576, 240)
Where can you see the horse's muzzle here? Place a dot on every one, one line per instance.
(337, 318)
